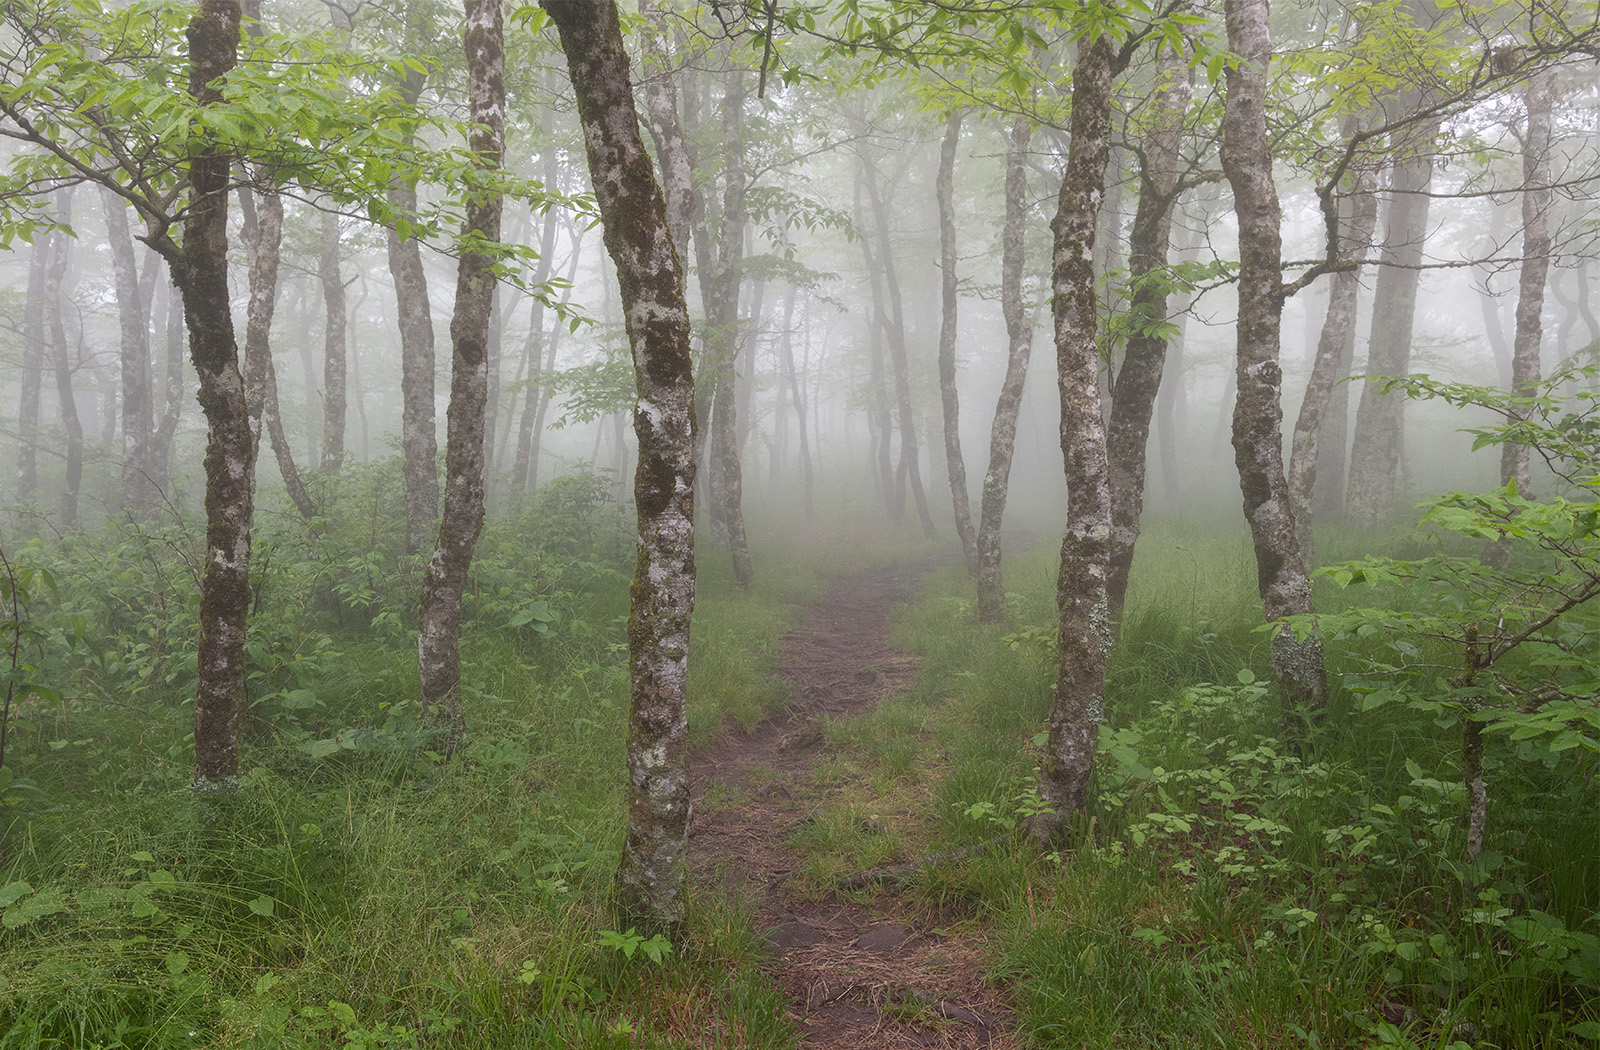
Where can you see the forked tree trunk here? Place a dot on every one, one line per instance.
(797, 398)
(1258, 412)
(172, 410)
(949, 396)
(894, 325)
(61, 357)
(1133, 399)
(1019, 338)
(33, 349)
(1380, 418)
(1536, 195)
(1083, 636)
(880, 417)
(651, 881)
(334, 345)
(1335, 348)
(138, 413)
(200, 270)
(439, 621)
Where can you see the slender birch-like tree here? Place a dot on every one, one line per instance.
(949, 302)
(439, 623)
(651, 881)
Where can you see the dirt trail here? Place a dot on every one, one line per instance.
(872, 975)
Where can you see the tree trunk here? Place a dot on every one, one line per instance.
(138, 413)
(439, 622)
(1335, 348)
(535, 432)
(1133, 399)
(1536, 195)
(200, 269)
(419, 447)
(62, 358)
(1257, 411)
(1083, 636)
(722, 334)
(334, 364)
(264, 239)
(1380, 421)
(33, 351)
(949, 396)
(797, 397)
(880, 416)
(894, 326)
(651, 881)
(1019, 337)
(172, 410)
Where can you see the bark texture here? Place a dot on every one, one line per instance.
(1380, 418)
(1335, 349)
(1133, 397)
(1525, 368)
(200, 270)
(439, 622)
(172, 411)
(1258, 412)
(138, 412)
(949, 299)
(1083, 637)
(1019, 339)
(651, 879)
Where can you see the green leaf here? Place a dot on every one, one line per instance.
(162, 879)
(266, 982)
(14, 892)
(264, 906)
(176, 962)
(45, 902)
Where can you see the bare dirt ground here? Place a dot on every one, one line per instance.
(878, 974)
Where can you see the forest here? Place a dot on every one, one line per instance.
(544, 526)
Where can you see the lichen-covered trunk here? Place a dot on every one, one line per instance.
(650, 887)
(334, 345)
(1257, 411)
(1133, 399)
(1536, 197)
(1380, 418)
(138, 413)
(949, 299)
(1335, 347)
(1083, 638)
(61, 358)
(33, 349)
(894, 327)
(439, 620)
(201, 273)
(1019, 340)
(722, 336)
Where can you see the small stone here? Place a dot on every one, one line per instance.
(792, 934)
(885, 938)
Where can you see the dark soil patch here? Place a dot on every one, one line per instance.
(858, 975)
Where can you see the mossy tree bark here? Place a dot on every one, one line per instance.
(335, 367)
(1258, 412)
(650, 887)
(949, 301)
(1083, 638)
(1019, 339)
(439, 622)
(1133, 396)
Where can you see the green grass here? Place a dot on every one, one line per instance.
(1235, 891)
